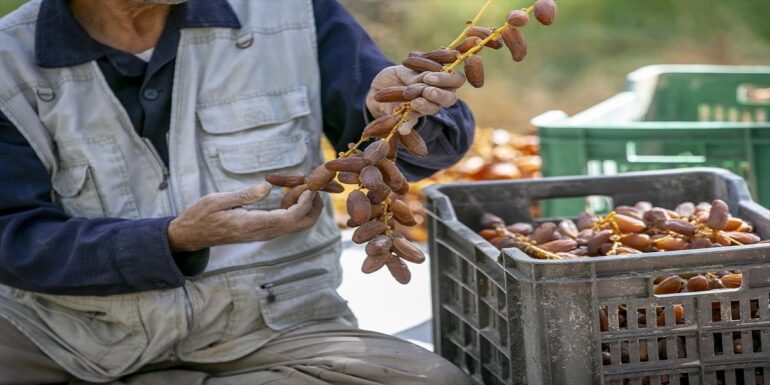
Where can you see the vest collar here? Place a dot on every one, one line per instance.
(60, 41)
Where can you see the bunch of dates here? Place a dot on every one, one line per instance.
(630, 230)
(369, 165)
(626, 230)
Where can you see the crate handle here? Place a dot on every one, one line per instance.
(754, 94)
(633, 157)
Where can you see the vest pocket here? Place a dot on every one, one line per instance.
(236, 166)
(246, 137)
(301, 298)
(76, 191)
(108, 334)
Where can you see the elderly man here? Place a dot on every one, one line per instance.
(138, 243)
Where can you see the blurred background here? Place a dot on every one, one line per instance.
(581, 59)
(584, 56)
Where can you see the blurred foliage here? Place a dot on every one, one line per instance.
(581, 59)
(584, 56)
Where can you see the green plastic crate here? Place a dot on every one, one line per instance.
(670, 116)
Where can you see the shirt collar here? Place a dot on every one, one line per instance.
(60, 41)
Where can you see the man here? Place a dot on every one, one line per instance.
(138, 243)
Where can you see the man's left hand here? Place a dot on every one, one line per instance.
(440, 92)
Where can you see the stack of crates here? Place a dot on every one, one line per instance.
(670, 116)
(508, 319)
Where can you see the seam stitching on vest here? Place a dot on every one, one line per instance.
(32, 85)
(251, 95)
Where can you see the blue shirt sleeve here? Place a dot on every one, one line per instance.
(44, 250)
(349, 60)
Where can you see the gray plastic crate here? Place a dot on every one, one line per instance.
(506, 318)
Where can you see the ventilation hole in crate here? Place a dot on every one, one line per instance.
(717, 337)
(622, 321)
(483, 285)
(505, 366)
(641, 318)
(660, 319)
(471, 365)
(679, 314)
(756, 341)
(502, 303)
(469, 336)
(754, 308)
(739, 377)
(503, 331)
(644, 355)
(737, 343)
(465, 272)
(604, 322)
(735, 310)
(624, 355)
(681, 347)
(716, 311)
(720, 374)
(662, 349)
(606, 356)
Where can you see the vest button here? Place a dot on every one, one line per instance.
(160, 283)
(244, 41)
(150, 94)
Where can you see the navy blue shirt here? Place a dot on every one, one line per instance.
(43, 250)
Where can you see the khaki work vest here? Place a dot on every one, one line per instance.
(245, 103)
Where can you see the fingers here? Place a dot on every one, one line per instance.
(444, 79)
(287, 217)
(396, 76)
(303, 206)
(425, 107)
(312, 216)
(230, 200)
(438, 96)
(406, 127)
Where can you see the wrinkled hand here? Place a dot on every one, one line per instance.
(441, 92)
(219, 218)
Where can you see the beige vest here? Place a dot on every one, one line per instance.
(245, 103)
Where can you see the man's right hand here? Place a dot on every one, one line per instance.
(219, 218)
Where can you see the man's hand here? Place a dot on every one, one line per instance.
(439, 93)
(220, 218)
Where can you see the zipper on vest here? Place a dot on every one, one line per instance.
(299, 256)
(292, 278)
(164, 170)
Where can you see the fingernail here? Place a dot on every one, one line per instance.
(431, 78)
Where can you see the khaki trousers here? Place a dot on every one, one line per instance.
(323, 353)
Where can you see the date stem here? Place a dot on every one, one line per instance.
(470, 25)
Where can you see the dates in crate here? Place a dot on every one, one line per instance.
(369, 166)
(631, 230)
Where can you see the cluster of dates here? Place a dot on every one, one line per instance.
(626, 230)
(374, 206)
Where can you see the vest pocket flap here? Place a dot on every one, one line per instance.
(69, 180)
(255, 110)
(263, 155)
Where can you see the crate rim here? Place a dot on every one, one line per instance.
(445, 212)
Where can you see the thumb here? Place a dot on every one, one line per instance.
(243, 197)
(409, 123)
